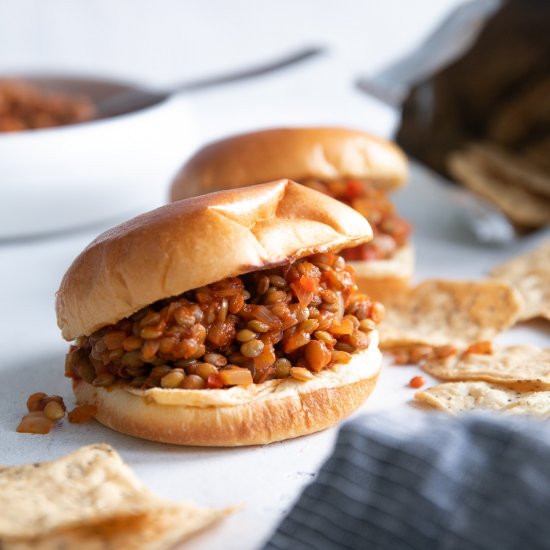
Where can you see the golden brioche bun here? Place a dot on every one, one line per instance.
(295, 153)
(242, 415)
(192, 243)
(381, 279)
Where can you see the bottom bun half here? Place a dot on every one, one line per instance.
(242, 415)
(382, 279)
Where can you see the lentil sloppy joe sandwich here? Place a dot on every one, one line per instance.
(352, 166)
(227, 319)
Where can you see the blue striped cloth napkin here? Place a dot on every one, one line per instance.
(422, 481)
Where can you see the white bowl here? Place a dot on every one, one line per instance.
(61, 178)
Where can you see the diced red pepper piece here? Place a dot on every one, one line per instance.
(214, 382)
(309, 283)
(354, 188)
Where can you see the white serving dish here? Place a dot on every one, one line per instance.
(62, 178)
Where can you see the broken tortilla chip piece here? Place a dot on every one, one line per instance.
(158, 529)
(89, 499)
(512, 166)
(86, 485)
(521, 367)
(530, 275)
(457, 397)
(437, 313)
(523, 207)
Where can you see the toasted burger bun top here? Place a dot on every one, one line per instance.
(295, 153)
(192, 243)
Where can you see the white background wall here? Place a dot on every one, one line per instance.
(162, 41)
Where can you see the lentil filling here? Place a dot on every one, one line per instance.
(291, 321)
(24, 106)
(391, 231)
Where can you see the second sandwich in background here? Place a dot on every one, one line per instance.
(352, 166)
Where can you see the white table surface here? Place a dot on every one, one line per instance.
(265, 480)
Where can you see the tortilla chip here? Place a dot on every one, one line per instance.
(520, 205)
(86, 485)
(512, 167)
(457, 397)
(523, 368)
(530, 275)
(437, 313)
(89, 499)
(158, 529)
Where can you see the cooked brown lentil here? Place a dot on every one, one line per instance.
(282, 368)
(172, 379)
(54, 411)
(193, 382)
(278, 281)
(44, 411)
(245, 335)
(216, 359)
(341, 356)
(34, 401)
(252, 348)
(325, 337)
(301, 373)
(39, 401)
(366, 325)
(205, 370)
(303, 316)
(258, 326)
